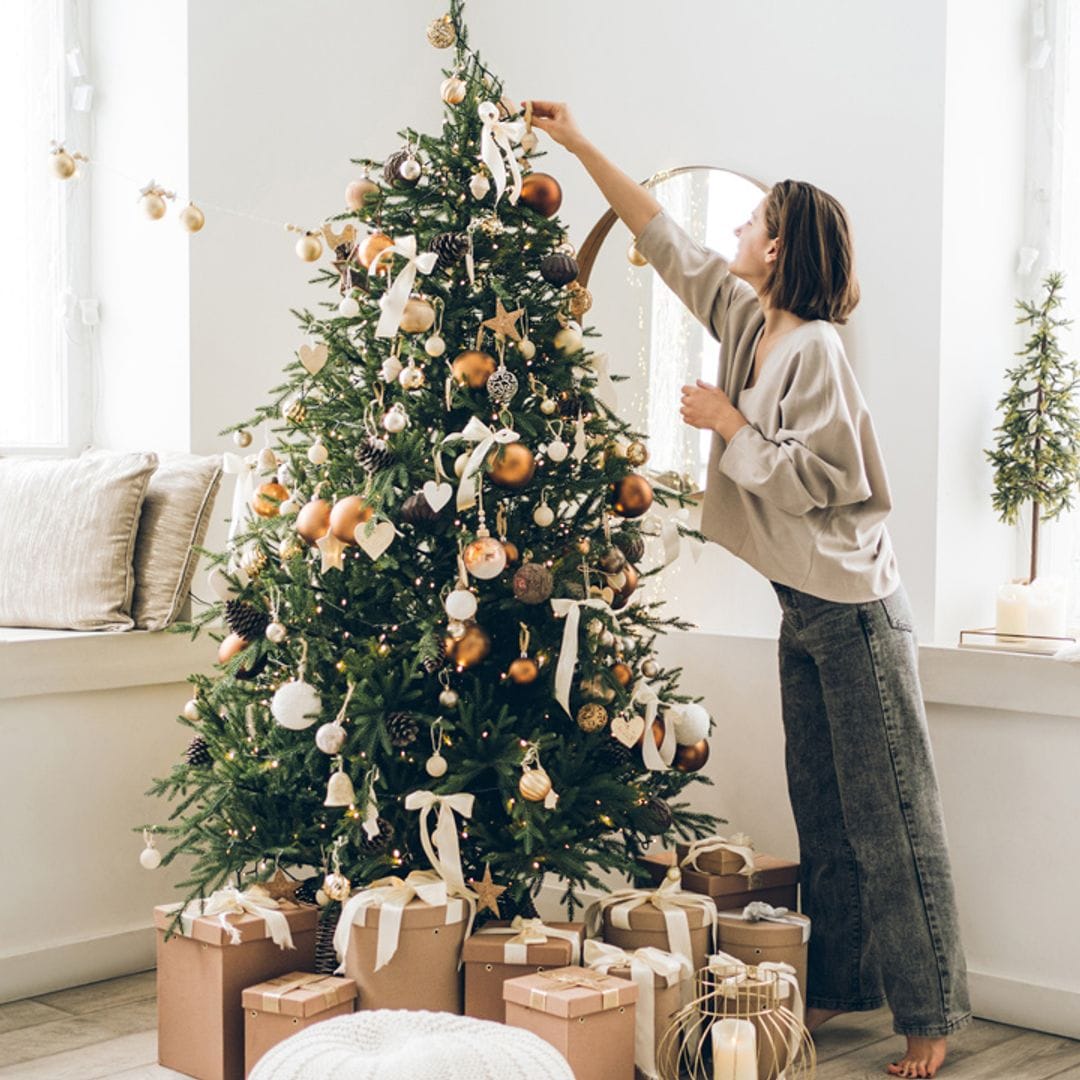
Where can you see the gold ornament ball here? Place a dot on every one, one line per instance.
(534, 785)
(452, 90)
(417, 317)
(357, 191)
(523, 670)
(242, 438)
(631, 496)
(512, 465)
(592, 717)
(623, 674)
(637, 453)
(542, 193)
(691, 758)
(337, 886)
(268, 498)
(512, 553)
(370, 248)
(635, 256)
(441, 33)
(470, 649)
(153, 206)
(313, 521)
(473, 368)
(485, 558)
(63, 165)
(192, 218)
(347, 515)
(580, 299)
(309, 248)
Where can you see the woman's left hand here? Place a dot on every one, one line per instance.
(707, 406)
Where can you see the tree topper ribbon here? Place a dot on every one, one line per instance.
(498, 135)
(655, 758)
(644, 964)
(744, 850)
(446, 862)
(476, 431)
(395, 298)
(532, 932)
(668, 899)
(568, 651)
(231, 901)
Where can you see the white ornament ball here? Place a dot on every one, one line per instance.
(691, 724)
(569, 339)
(391, 369)
(526, 348)
(317, 453)
(191, 709)
(150, 858)
(395, 420)
(548, 406)
(557, 451)
(276, 632)
(268, 460)
(289, 507)
(448, 699)
(461, 605)
(529, 142)
(434, 346)
(411, 377)
(543, 515)
(349, 307)
(607, 638)
(650, 669)
(479, 185)
(436, 765)
(296, 705)
(410, 169)
(330, 738)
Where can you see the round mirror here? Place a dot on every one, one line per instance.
(654, 346)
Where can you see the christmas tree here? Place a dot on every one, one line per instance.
(431, 572)
(1036, 458)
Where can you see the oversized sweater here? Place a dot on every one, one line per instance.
(800, 492)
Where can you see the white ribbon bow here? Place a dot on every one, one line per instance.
(498, 135)
(244, 469)
(759, 911)
(447, 861)
(643, 964)
(568, 651)
(668, 899)
(528, 932)
(395, 298)
(391, 895)
(476, 431)
(697, 848)
(653, 757)
(231, 901)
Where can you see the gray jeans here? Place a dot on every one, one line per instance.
(874, 862)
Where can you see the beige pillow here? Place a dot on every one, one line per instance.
(175, 517)
(67, 537)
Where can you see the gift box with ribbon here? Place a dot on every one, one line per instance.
(718, 855)
(773, 880)
(587, 1016)
(280, 1007)
(665, 983)
(224, 943)
(502, 951)
(760, 933)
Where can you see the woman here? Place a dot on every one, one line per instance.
(797, 488)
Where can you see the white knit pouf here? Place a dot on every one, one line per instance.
(393, 1044)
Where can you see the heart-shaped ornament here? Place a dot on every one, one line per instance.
(628, 729)
(313, 358)
(437, 495)
(374, 540)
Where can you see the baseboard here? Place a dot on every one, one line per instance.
(1053, 1009)
(76, 963)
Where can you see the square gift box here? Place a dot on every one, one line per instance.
(775, 881)
(586, 1016)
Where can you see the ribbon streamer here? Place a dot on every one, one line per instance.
(476, 431)
(568, 651)
(528, 932)
(697, 848)
(244, 469)
(447, 861)
(395, 298)
(231, 901)
(655, 758)
(499, 135)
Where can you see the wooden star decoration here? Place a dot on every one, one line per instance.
(332, 551)
(281, 887)
(487, 891)
(503, 321)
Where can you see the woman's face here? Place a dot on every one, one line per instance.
(756, 251)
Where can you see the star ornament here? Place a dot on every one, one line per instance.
(503, 322)
(281, 887)
(487, 891)
(332, 551)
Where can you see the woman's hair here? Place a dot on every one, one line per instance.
(814, 273)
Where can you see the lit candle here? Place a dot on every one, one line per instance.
(734, 1050)
(1012, 609)
(1046, 607)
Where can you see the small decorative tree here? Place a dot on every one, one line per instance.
(1037, 455)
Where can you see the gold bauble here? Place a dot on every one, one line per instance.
(417, 317)
(580, 299)
(623, 674)
(309, 247)
(62, 164)
(153, 205)
(541, 192)
(370, 247)
(313, 521)
(453, 90)
(337, 886)
(512, 553)
(230, 646)
(294, 410)
(441, 32)
(635, 256)
(691, 758)
(637, 453)
(192, 218)
(631, 496)
(534, 785)
(347, 515)
(523, 670)
(473, 368)
(512, 465)
(267, 500)
(242, 438)
(357, 191)
(470, 649)
(592, 717)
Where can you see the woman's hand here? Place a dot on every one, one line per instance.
(707, 406)
(553, 117)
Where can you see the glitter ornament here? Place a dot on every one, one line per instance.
(448, 698)
(526, 348)
(592, 717)
(502, 385)
(411, 377)
(532, 583)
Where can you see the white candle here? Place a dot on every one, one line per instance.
(1012, 609)
(1046, 607)
(734, 1050)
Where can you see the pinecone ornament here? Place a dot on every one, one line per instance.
(619, 757)
(326, 960)
(374, 454)
(246, 621)
(198, 753)
(377, 844)
(449, 247)
(402, 727)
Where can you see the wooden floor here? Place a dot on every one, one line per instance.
(107, 1030)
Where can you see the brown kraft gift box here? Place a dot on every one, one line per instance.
(201, 976)
(720, 861)
(775, 881)
(493, 957)
(764, 940)
(276, 1009)
(586, 1016)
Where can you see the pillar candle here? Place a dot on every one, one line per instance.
(734, 1050)
(1046, 607)
(1012, 609)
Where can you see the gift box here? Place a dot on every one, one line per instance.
(276, 1009)
(586, 1016)
(768, 935)
(224, 944)
(502, 951)
(775, 881)
(716, 855)
(400, 940)
(665, 983)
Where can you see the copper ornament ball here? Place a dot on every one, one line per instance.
(370, 247)
(267, 499)
(631, 581)
(659, 729)
(623, 674)
(470, 649)
(512, 465)
(512, 553)
(346, 515)
(592, 717)
(542, 193)
(473, 368)
(631, 496)
(523, 670)
(313, 521)
(230, 646)
(691, 758)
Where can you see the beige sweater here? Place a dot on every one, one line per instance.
(800, 493)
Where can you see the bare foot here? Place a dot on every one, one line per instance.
(923, 1058)
(816, 1017)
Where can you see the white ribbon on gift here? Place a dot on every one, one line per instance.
(568, 651)
(397, 296)
(528, 932)
(669, 899)
(231, 901)
(476, 431)
(447, 860)
(391, 895)
(244, 469)
(759, 911)
(697, 848)
(499, 135)
(654, 758)
(644, 964)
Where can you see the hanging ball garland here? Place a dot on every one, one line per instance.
(691, 757)
(512, 465)
(533, 583)
(296, 705)
(358, 191)
(192, 218)
(313, 521)
(542, 193)
(473, 369)
(592, 717)
(309, 247)
(631, 496)
(347, 515)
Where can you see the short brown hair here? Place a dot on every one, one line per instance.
(814, 274)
